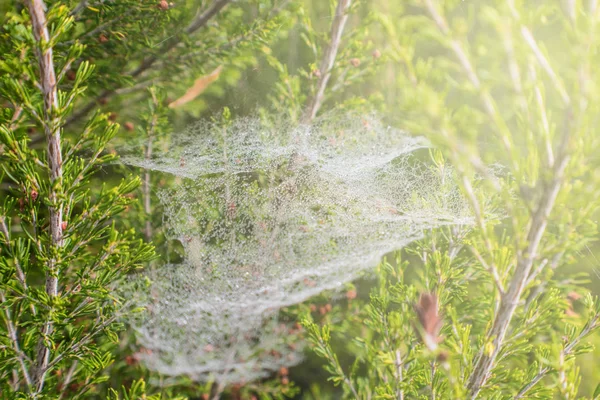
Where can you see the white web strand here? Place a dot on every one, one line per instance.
(270, 217)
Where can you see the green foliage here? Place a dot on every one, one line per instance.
(137, 390)
(356, 61)
(506, 90)
(486, 83)
(59, 311)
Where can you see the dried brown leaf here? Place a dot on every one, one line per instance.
(197, 88)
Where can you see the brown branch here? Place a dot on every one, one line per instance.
(52, 130)
(148, 62)
(175, 40)
(491, 268)
(510, 299)
(337, 29)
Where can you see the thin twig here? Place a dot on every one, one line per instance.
(19, 270)
(12, 334)
(543, 372)
(592, 325)
(544, 119)
(513, 66)
(52, 129)
(69, 377)
(337, 29)
(491, 268)
(79, 7)
(218, 390)
(83, 341)
(15, 118)
(432, 369)
(470, 192)
(147, 188)
(553, 264)
(136, 87)
(570, 7)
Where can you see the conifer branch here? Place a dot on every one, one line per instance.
(337, 29)
(567, 351)
(487, 100)
(148, 62)
(525, 260)
(52, 130)
(97, 29)
(83, 341)
(20, 274)
(540, 375)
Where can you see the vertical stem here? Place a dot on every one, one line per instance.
(433, 395)
(218, 390)
(337, 29)
(52, 130)
(147, 206)
(147, 188)
(399, 376)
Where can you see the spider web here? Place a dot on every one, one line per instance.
(270, 216)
